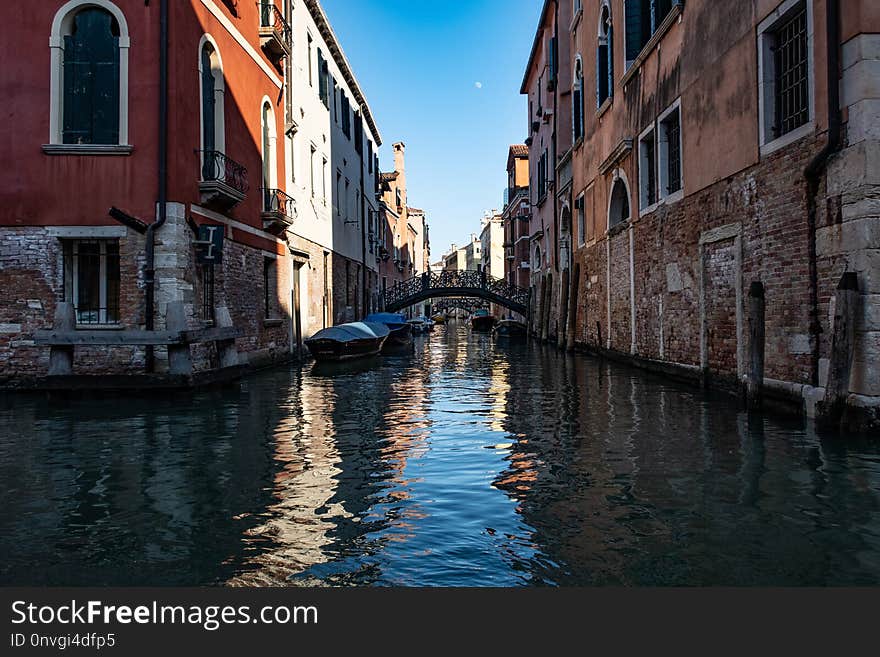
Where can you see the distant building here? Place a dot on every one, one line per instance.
(515, 217)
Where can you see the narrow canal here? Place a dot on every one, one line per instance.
(460, 463)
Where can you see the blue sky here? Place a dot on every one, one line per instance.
(444, 78)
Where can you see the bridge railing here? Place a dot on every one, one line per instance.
(478, 282)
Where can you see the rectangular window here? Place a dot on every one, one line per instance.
(785, 42)
(792, 83)
(369, 156)
(589, 212)
(324, 180)
(647, 169)
(312, 169)
(581, 220)
(346, 198)
(346, 115)
(309, 39)
(91, 280)
(358, 134)
(270, 288)
(337, 205)
(335, 102)
(642, 19)
(208, 293)
(323, 80)
(670, 152)
(294, 154)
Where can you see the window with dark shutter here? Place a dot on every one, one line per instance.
(358, 134)
(91, 79)
(208, 101)
(605, 59)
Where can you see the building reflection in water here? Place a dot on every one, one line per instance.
(461, 463)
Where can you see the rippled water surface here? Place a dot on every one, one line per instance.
(460, 463)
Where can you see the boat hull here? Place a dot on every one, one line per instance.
(483, 323)
(333, 350)
(510, 330)
(400, 336)
(348, 341)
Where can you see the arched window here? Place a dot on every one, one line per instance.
(212, 88)
(605, 57)
(270, 156)
(618, 209)
(536, 262)
(577, 99)
(89, 75)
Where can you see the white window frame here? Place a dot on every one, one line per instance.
(313, 150)
(219, 100)
(767, 79)
(619, 175)
(644, 206)
(581, 217)
(61, 26)
(102, 280)
(272, 139)
(663, 155)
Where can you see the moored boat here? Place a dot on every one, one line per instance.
(510, 329)
(481, 320)
(421, 324)
(348, 341)
(439, 318)
(400, 331)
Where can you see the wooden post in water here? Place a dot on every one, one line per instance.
(755, 381)
(61, 358)
(179, 358)
(540, 303)
(545, 313)
(573, 308)
(563, 315)
(846, 300)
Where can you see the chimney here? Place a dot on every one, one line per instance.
(399, 150)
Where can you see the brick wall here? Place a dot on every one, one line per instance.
(753, 226)
(31, 281)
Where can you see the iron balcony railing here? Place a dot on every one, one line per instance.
(217, 167)
(276, 202)
(271, 16)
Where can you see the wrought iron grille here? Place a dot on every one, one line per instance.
(277, 202)
(208, 293)
(792, 82)
(91, 280)
(271, 16)
(216, 166)
(673, 163)
(650, 155)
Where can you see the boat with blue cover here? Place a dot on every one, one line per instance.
(401, 330)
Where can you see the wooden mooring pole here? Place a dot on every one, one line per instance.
(846, 299)
(755, 381)
(61, 356)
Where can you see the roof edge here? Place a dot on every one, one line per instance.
(326, 30)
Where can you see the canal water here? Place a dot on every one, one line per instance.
(459, 462)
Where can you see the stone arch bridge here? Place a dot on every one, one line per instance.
(471, 284)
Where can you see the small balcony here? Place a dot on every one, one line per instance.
(224, 181)
(275, 33)
(279, 211)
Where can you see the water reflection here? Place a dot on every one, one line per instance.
(458, 463)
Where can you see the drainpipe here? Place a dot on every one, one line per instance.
(817, 167)
(150, 267)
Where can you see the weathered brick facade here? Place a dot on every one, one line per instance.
(663, 280)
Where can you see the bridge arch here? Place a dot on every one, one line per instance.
(431, 285)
